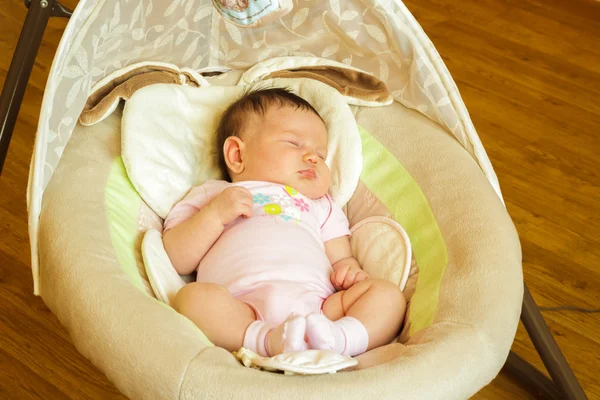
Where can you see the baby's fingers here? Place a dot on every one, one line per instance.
(247, 210)
(361, 276)
(350, 278)
(339, 276)
(332, 279)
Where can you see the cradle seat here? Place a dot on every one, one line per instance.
(464, 293)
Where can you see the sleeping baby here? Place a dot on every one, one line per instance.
(275, 272)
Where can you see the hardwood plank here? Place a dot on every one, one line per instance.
(471, 12)
(42, 344)
(529, 73)
(538, 71)
(17, 381)
(505, 387)
(582, 15)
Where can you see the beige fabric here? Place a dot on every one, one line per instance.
(282, 8)
(308, 362)
(482, 287)
(125, 332)
(382, 248)
(121, 329)
(439, 368)
(380, 37)
(364, 204)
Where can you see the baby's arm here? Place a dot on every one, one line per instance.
(188, 242)
(346, 269)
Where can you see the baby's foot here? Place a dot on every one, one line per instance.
(346, 336)
(319, 332)
(287, 337)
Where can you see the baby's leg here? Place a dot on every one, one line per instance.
(378, 304)
(221, 317)
(231, 324)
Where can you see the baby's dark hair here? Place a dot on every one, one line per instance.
(255, 101)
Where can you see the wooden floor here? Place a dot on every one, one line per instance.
(529, 72)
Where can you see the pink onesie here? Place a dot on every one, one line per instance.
(274, 261)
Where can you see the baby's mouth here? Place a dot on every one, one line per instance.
(308, 173)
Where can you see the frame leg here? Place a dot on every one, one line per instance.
(21, 65)
(564, 381)
(532, 378)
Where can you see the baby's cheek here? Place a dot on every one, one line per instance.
(266, 166)
(273, 159)
(326, 179)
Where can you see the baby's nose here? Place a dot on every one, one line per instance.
(311, 157)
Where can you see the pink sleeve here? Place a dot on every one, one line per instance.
(335, 224)
(194, 201)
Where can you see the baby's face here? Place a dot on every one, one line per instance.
(288, 146)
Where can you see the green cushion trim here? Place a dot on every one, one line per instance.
(122, 203)
(384, 175)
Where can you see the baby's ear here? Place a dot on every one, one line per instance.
(233, 149)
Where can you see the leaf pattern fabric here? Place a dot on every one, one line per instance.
(377, 36)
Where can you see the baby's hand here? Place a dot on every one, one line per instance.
(233, 202)
(346, 273)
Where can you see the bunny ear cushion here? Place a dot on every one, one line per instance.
(357, 86)
(123, 83)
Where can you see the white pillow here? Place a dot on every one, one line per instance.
(168, 138)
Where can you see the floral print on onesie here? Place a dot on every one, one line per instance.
(287, 205)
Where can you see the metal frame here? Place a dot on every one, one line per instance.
(22, 64)
(564, 384)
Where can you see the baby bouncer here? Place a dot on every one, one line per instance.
(92, 196)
